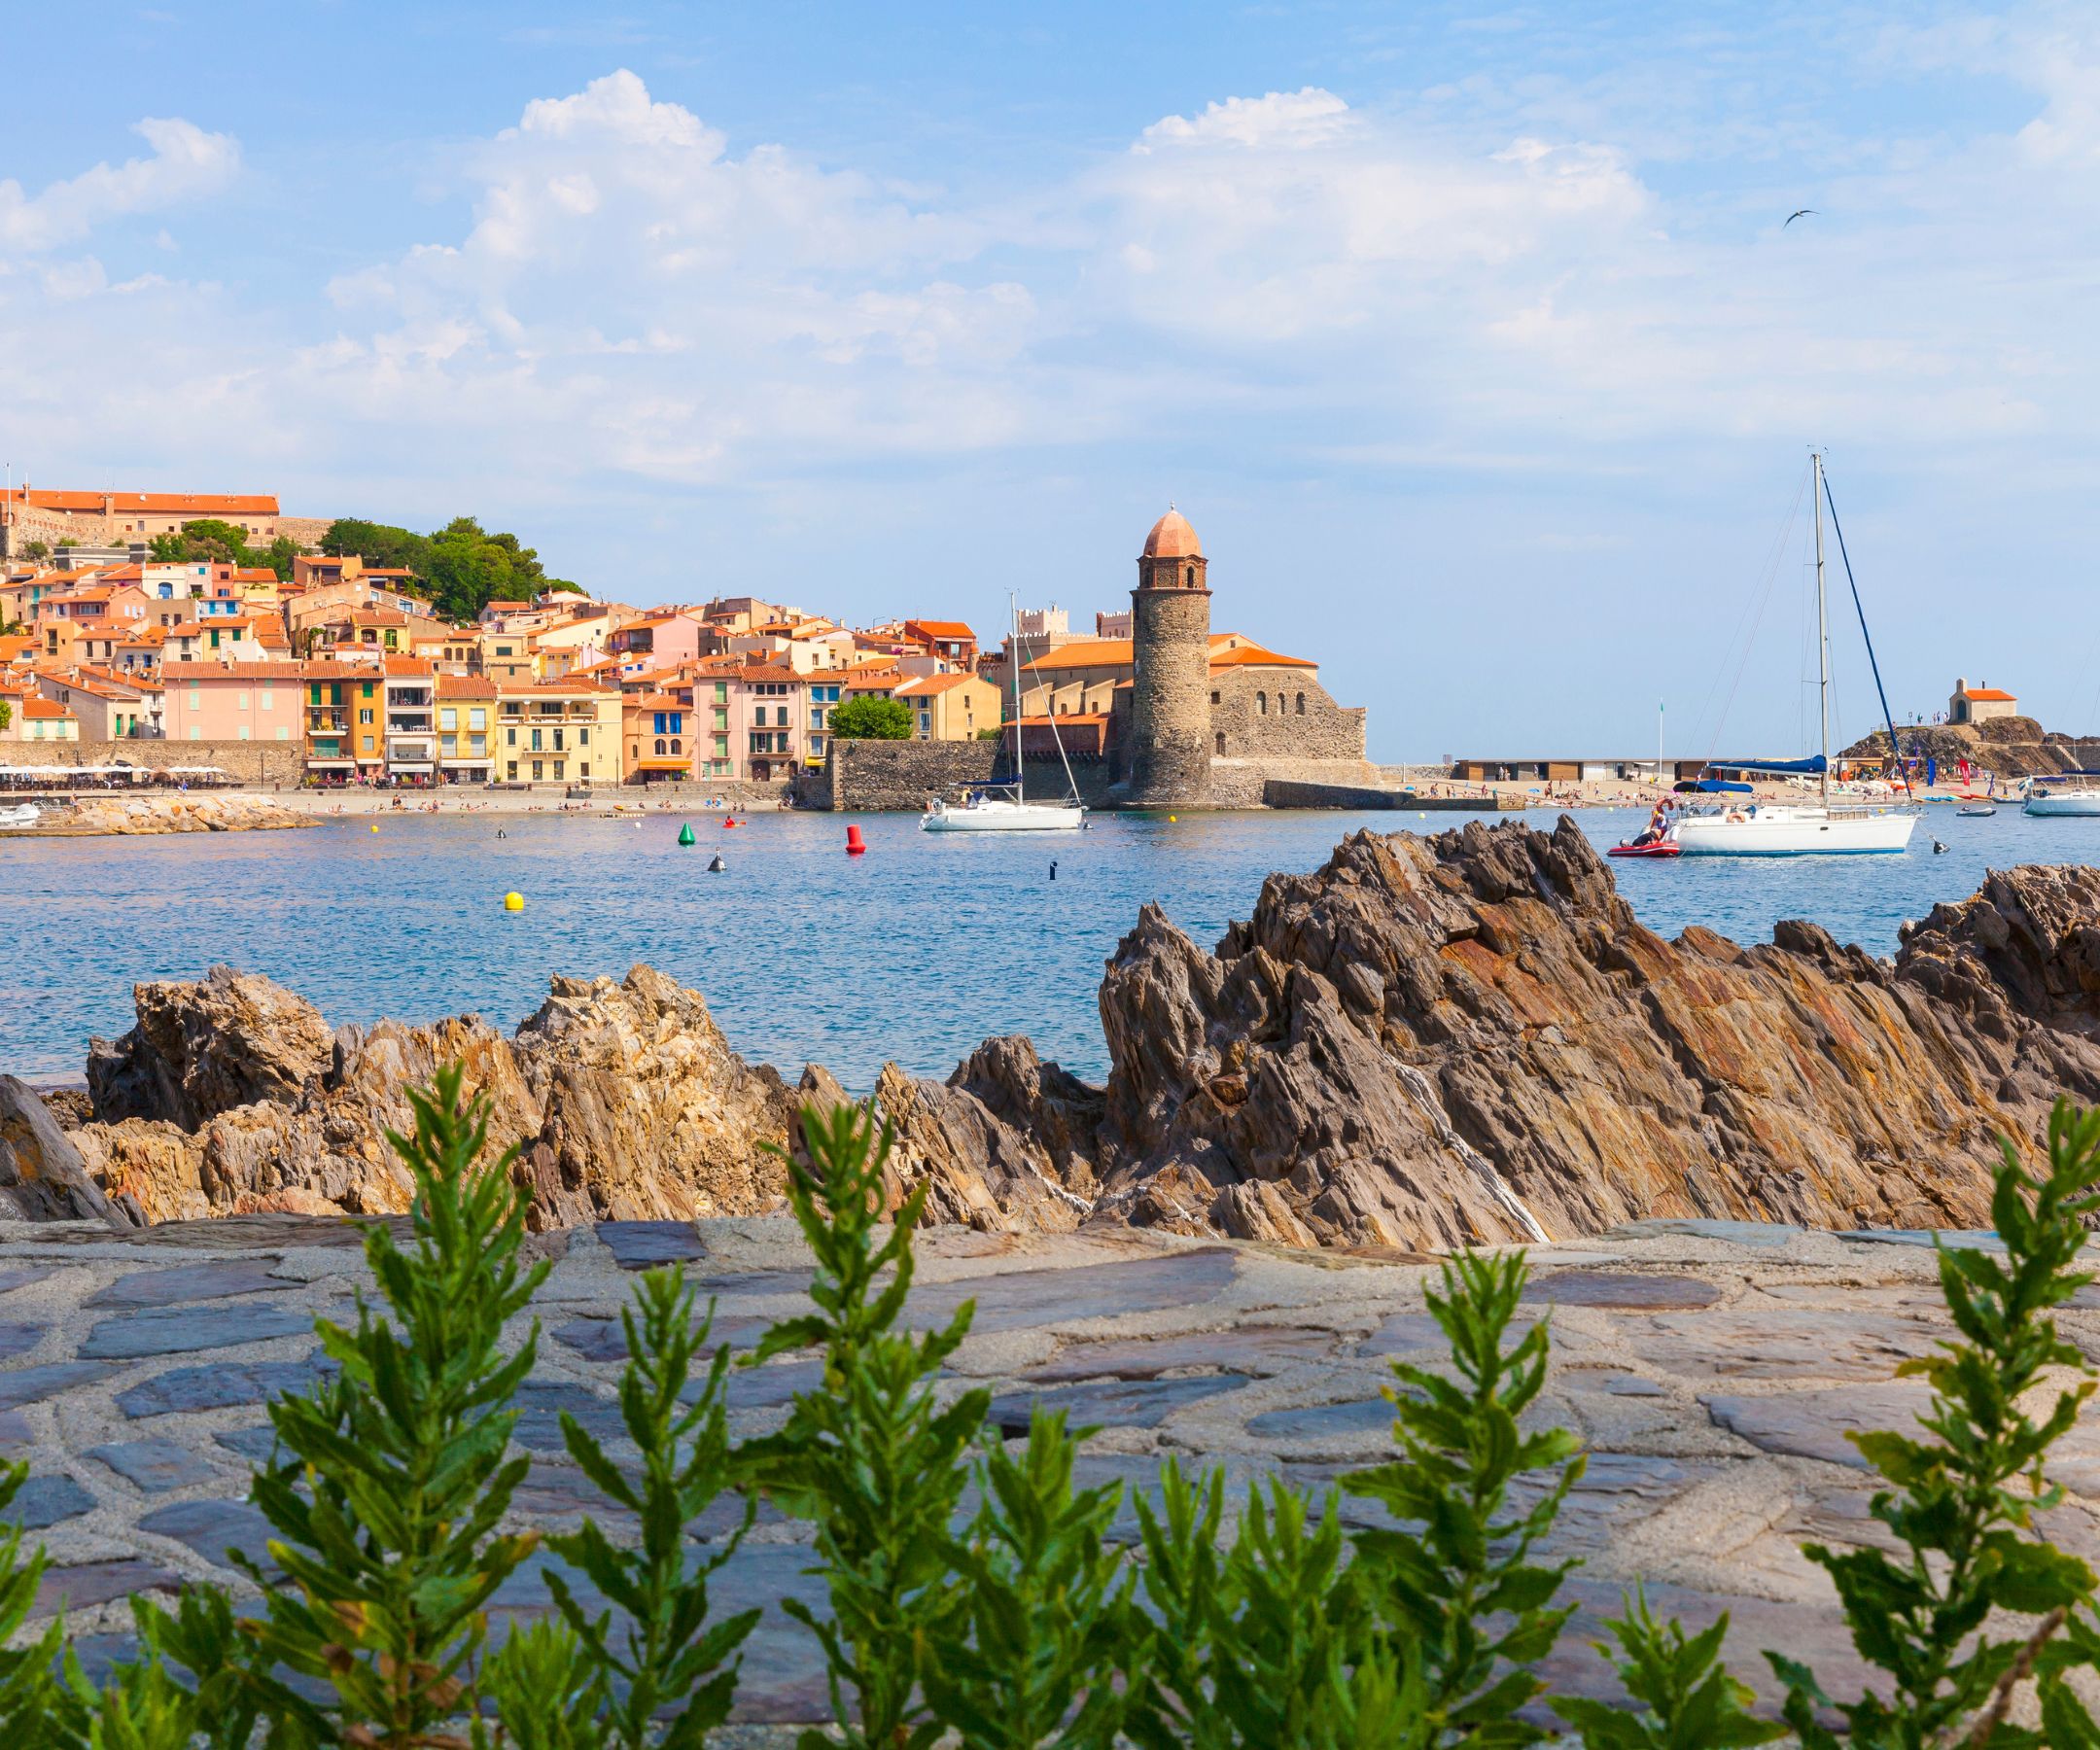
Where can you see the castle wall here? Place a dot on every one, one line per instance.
(1282, 714)
(1171, 740)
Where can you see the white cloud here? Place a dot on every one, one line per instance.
(186, 164)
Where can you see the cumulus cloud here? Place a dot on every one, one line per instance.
(636, 292)
(186, 163)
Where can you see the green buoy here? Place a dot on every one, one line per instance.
(684, 833)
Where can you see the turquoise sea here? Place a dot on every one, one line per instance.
(916, 951)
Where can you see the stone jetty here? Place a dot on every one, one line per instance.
(1430, 1042)
(1711, 1368)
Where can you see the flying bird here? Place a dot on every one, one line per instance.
(1802, 213)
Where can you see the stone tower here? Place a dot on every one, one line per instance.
(1170, 757)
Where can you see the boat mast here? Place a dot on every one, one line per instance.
(1013, 643)
(1822, 611)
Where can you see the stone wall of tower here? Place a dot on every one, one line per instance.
(1170, 734)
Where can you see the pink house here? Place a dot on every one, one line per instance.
(665, 639)
(232, 701)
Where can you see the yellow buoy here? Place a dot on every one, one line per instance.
(1174, 817)
(513, 902)
(375, 828)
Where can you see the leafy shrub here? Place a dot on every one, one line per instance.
(1961, 1503)
(386, 1508)
(872, 1457)
(1462, 1591)
(671, 1657)
(1042, 1606)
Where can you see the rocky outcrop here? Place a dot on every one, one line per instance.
(42, 1176)
(131, 816)
(2009, 747)
(1471, 1038)
(198, 1049)
(646, 1112)
(622, 1100)
(1428, 1042)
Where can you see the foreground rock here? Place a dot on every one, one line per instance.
(1471, 1038)
(144, 816)
(623, 1100)
(43, 1176)
(1428, 1042)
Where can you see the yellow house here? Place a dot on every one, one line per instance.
(558, 733)
(950, 707)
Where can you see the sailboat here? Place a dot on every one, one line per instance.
(1006, 807)
(1733, 824)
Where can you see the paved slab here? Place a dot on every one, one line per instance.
(1712, 1369)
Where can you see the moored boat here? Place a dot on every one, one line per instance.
(1006, 807)
(2073, 793)
(1736, 825)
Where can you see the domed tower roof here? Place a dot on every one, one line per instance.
(1171, 538)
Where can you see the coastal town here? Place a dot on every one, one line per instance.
(121, 628)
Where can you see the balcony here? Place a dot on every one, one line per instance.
(408, 724)
(322, 723)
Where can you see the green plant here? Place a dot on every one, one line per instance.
(865, 717)
(32, 1700)
(385, 1511)
(1029, 1657)
(1687, 1701)
(1463, 1590)
(1263, 1645)
(1962, 1502)
(672, 1656)
(229, 1690)
(870, 1456)
(37, 550)
(549, 1691)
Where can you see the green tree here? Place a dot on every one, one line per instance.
(377, 544)
(36, 550)
(7, 711)
(206, 540)
(869, 718)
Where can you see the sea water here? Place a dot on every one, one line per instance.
(915, 952)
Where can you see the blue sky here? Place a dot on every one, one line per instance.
(1470, 340)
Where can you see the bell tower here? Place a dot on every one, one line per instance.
(1169, 756)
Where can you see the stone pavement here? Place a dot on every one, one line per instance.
(1711, 1367)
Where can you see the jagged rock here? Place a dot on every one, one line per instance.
(42, 1176)
(1040, 1100)
(649, 1115)
(1470, 1038)
(983, 1173)
(198, 1049)
(1426, 1042)
(159, 1167)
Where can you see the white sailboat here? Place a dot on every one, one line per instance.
(2071, 794)
(1006, 807)
(1734, 824)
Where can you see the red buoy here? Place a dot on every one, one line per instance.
(855, 843)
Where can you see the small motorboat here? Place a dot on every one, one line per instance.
(1660, 847)
(22, 814)
(1976, 811)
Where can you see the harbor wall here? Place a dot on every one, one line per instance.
(1303, 792)
(258, 762)
(899, 776)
